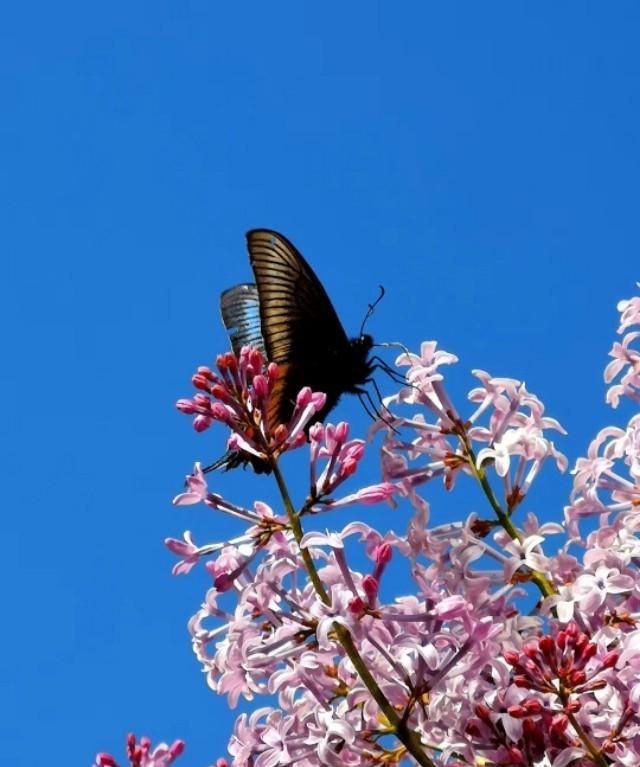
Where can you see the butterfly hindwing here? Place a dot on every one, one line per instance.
(240, 308)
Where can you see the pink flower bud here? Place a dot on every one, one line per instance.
(255, 359)
(517, 712)
(483, 712)
(383, 554)
(221, 393)
(511, 657)
(356, 606)
(205, 371)
(610, 659)
(186, 406)
(559, 724)
(348, 468)
(577, 678)
(370, 587)
(201, 423)
(316, 432)
(223, 582)
(532, 706)
(200, 382)
(177, 748)
(303, 398)
(261, 387)
(586, 653)
(106, 760)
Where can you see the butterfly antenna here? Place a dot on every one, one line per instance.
(371, 309)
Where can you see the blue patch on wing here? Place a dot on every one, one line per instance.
(240, 307)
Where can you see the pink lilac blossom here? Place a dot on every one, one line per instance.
(625, 356)
(451, 665)
(455, 655)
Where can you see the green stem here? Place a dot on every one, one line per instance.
(409, 738)
(298, 533)
(595, 753)
(539, 578)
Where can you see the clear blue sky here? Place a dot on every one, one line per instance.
(479, 160)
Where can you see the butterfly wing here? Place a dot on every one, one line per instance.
(300, 327)
(240, 308)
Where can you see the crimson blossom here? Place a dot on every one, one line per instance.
(497, 647)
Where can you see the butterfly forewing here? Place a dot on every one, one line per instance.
(295, 312)
(300, 327)
(240, 308)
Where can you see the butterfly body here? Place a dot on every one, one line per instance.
(288, 315)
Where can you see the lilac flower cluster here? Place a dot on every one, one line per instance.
(451, 665)
(625, 356)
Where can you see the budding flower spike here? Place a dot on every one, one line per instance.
(241, 395)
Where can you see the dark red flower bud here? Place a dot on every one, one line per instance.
(177, 748)
(200, 382)
(548, 646)
(577, 678)
(370, 587)
(356, 606)
(383, 554)
(559, 724)
(516, 756)
(532, 706)
(483, 712)
(105, 760)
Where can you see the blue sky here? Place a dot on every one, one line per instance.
(479, 160)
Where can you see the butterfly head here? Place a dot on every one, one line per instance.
(358, 365)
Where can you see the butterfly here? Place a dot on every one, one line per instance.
(288, 315)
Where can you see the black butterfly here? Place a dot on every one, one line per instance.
(287, 314)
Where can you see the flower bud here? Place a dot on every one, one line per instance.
(105, 760)
(201, 423)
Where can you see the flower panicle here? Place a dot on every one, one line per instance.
(507, 430)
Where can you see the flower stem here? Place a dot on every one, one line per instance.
(539, 578)
(409, 738)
